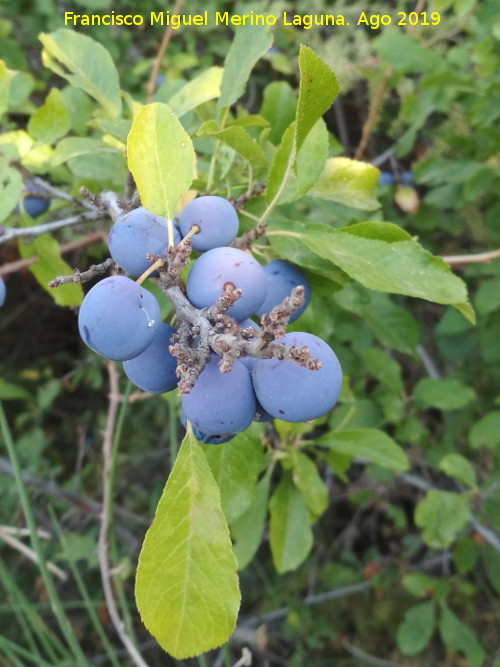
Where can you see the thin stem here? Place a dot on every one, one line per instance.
(369, 659)
(102, 545)
(151, 87)
(8, 234)
(111, 530)
(372, 116)
(156, 265)
(89, 606)
(35, 542)
(478, 258)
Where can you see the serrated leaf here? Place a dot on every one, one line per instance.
(85, 64)
(204, 87)
(317, 90)
(51, 121)
(458, 637)
(442, 515)
(248, 528)
(368, 443)
(235, 466)
(290, 534)
(348, 182)
(161, 158)
(186, 584)
(446, 394)
(238, 138)
(402, 267)
(250, 43)
(457, 466)
(415, 632)
(48, 265)
(308, 481)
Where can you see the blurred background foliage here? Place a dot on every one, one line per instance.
(430, 100)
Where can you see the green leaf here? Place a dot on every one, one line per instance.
(311, 157)
(457, 466)
(235, 466)
(250, 43)
(368, 443)
(486, 431)
(186, 585)
(402, 267)
(161, 158)
(248, 528)
(458, 637)
(85, 64)
(415, 632)
(290, 534)
(6, 76)
(51, 121)
(281, 167)
(317, 90)
(308, 481)
(422, 585)
(48, 265)
(11, 184)
(202, 88)
(447, 394)
(385, 369)
(12, 392)
(442, 515)
(391, 325)
(491, 560)
(278, 108)
(405, 54)
(348, 182)
(239, 139)
(72, 147)
(380, 231)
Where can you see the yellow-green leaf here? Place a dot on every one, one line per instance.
(48, 265)
(186, 585)
(290, 534)
(85, 64)
(161, 158)
(51, 121)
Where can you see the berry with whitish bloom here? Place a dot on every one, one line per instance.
(216, 219)
(220, 403)
(118, 318)
(294, 393)
(282, 277)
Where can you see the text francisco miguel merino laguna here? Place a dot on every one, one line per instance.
(220, 18)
